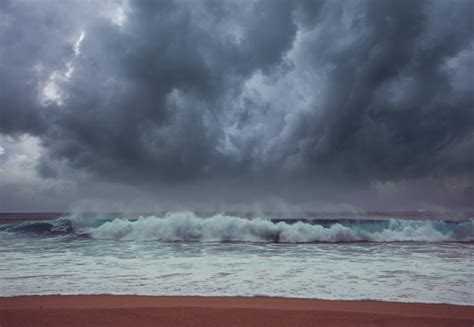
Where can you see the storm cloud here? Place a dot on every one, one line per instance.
(302, 96)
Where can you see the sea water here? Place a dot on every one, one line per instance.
(182, 254)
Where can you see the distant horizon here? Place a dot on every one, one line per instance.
(466, 214)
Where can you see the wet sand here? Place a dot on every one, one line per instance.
(114, 310)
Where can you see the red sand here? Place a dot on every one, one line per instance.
(110, 310)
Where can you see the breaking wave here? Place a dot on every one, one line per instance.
(55, 227)
(187, 227)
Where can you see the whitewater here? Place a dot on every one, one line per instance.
(181, 253)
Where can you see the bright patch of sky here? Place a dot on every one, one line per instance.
(52, 92)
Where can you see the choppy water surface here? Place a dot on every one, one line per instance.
(181, 254)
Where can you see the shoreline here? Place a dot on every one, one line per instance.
(137, 310)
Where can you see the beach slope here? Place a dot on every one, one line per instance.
(112, 310)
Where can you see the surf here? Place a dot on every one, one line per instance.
(189, 227)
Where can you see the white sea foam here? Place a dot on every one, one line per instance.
(51, 258)
(186, 226)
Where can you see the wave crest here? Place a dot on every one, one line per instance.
(186, 226)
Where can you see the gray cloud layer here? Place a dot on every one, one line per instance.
(260, 93)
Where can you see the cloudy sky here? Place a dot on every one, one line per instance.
(226, 104)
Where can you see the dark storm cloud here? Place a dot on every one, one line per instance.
(144, 101)
(19, 110)
(345, 92)
(392, 106)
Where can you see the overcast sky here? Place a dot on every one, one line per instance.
(322, 105)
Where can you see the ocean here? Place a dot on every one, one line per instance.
(181, 253)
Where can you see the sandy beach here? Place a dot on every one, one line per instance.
(110, 310)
